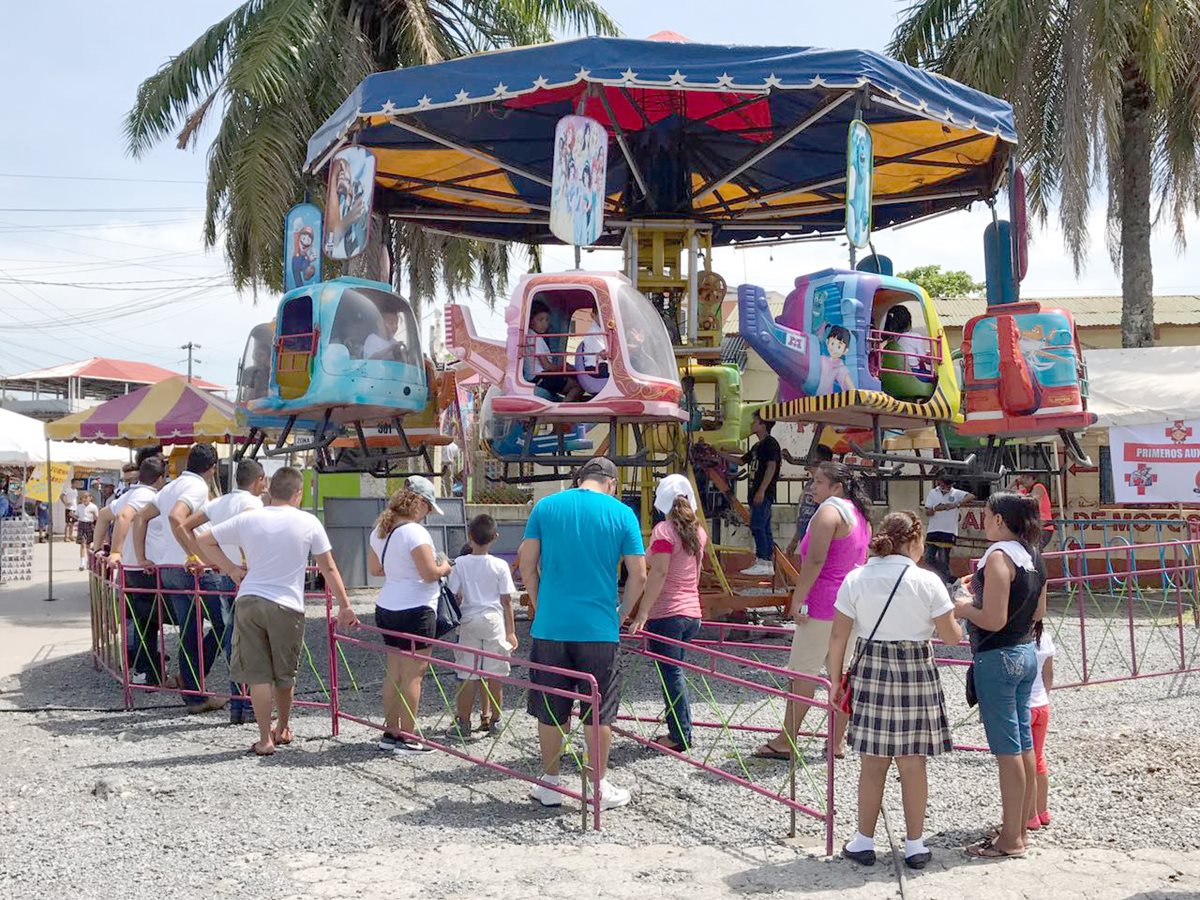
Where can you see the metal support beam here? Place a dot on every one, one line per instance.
(624, 145)
(476, 154)
(758, 155)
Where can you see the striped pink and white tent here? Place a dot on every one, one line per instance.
(170, 412)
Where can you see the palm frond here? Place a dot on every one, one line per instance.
(170, 95)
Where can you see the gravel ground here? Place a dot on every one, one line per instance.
(164, 804)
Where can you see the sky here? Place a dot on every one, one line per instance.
(86, 232)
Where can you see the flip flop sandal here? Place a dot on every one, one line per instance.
(766, 751)
(988, 850)
(664, 740)
(254, 749)
(279, 740)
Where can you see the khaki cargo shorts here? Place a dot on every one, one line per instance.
(266, 642)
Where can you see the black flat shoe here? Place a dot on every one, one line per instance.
(862, 857)
(918, 860)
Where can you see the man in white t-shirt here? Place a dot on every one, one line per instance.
(942, 505)
(141, 586)
(269, 622)
(163, 544)
(219, 590)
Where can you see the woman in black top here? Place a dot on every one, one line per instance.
(1008, 594)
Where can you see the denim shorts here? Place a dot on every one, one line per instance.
(1003, 682)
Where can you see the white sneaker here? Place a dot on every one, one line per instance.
(611, 796)
(544, 795)
(760, 567)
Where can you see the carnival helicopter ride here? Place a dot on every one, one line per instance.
(670, 150)
(341, 359)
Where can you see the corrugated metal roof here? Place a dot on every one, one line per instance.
(1088, 311)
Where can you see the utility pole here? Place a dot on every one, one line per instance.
(189, 347)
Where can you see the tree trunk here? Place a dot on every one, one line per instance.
(1137, 268)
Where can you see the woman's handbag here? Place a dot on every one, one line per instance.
(844, 702)
(449, 614)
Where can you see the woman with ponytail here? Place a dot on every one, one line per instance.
(891, 607)
(401, 550)
(834, 545)
(1007, 595)
(670, 606)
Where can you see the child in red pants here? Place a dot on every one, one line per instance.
(1039, 709)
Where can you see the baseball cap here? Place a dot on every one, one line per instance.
(671, 487)
(596, 467)
(423, 488)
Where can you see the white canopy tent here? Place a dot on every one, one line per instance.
(1143, 386)
(23, 443)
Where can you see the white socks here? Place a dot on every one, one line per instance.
(860, 842)
(912, 848)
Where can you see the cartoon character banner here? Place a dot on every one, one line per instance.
(860, 170)
(578, 183)
(1156, 464)
(301, 255)
(348, 202)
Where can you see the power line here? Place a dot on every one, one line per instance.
(99, 178)
(159, 283)
(99, 209)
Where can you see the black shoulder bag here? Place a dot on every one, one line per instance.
(845, 704)
(449, 615)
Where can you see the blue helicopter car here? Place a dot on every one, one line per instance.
(345, 351)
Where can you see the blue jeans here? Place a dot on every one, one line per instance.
(179, 592)
(675, 695)
(222, 585)
(760, 527)
(1003, 682)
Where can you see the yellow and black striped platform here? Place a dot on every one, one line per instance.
(858, 409)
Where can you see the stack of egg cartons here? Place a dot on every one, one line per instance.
(16, 548)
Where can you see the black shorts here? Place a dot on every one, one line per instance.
(941, 539)
(555, 384)
(420, 621)
(595, 658)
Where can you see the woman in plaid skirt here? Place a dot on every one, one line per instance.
(892, 607)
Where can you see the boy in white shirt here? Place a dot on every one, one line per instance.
(543, 360)
(484, 586)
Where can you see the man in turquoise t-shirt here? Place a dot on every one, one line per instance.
(574, 544)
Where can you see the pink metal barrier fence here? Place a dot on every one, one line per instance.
(1099, 592)
(118, 633)
(590, 696)
(710, 656)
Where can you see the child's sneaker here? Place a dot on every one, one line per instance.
(461, 729)
(388, 742)
(545, 795)
(611, 796)
(491, 726)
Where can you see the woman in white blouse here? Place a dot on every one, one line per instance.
(892, 607)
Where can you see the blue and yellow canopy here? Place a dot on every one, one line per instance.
(751, 140)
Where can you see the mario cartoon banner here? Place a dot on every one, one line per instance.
(1157, 464)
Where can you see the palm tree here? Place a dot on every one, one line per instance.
(276, 69)
(1102, 90)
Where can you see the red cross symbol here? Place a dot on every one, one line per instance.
(1141, 478)
(1178, 433)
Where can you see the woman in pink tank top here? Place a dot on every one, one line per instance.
(835, 544)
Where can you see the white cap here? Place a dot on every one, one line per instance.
(671, 487)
